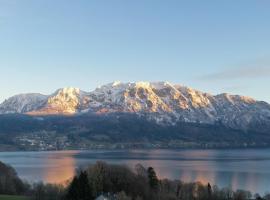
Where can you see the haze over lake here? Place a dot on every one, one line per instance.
(239, 168)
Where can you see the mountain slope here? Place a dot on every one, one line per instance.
(23, 103)
(63, 101)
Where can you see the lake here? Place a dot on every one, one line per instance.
(247, 169)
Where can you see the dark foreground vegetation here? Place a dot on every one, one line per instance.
(103, 181)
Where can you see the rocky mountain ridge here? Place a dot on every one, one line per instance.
(161, 102)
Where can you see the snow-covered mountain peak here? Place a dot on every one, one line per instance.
(65, 94)
(142, 84)
(116, 83)
(68, 91)
(159, 101)
(161, 84)
(22, 103)
(63, 101)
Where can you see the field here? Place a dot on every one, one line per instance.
(8, 197)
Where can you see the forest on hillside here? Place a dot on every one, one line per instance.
(115, 131)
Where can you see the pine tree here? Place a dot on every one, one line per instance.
(73, 192)
(209, 190)
(79, 188)
(152, 178)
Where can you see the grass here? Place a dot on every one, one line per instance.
(9, 197)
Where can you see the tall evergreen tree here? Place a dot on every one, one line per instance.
(79, 188)
(209, 190)
(152, 178)
(73, 192)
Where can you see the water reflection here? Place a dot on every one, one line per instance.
(61, 168)
(238, 169)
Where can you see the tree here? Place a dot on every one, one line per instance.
(152, 178)
(242, 195)
(10, 183)
(122, 196)
(267, 196)
(73, 192)
(209, 190)
(140, 170)
(38, 191)
(80, 188)
(97, 175)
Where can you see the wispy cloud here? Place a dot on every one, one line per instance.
(257, 69)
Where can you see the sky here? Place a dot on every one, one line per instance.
(213, 46)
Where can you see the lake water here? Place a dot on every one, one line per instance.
(247, 169)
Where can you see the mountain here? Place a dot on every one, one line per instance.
(23, 103)
(161, 102)
(133, 115)
(63, 101)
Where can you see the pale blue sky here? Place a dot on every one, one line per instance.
(214, 46)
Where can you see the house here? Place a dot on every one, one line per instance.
(102, 197)
(105, 197)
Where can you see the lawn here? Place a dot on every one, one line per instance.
(8, 197)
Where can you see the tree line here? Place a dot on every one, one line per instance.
(117, 182)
